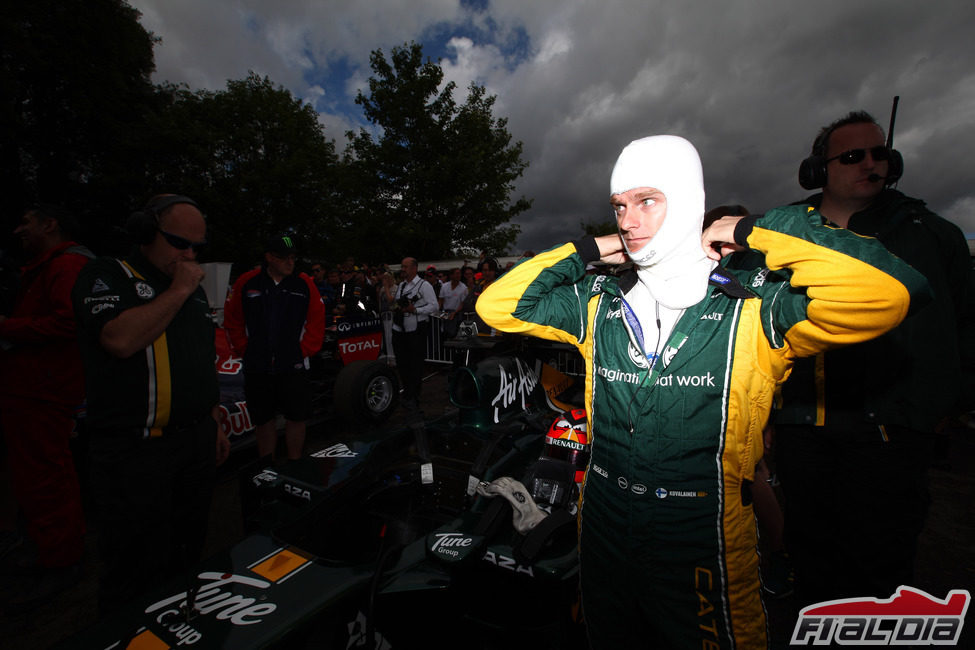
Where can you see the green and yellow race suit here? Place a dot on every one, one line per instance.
(668, 538)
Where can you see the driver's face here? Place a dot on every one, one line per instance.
(640, 213)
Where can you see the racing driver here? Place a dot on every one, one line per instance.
(682, 359)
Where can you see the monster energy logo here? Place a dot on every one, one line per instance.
(287, 242)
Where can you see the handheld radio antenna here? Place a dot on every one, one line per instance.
(893, 116)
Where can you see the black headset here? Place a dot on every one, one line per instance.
(812, 170)
(142, 225)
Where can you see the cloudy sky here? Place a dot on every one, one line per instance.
(749, 82)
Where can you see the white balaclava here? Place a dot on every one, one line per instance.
(673, 265)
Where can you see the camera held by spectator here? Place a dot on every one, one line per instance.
(402, 303)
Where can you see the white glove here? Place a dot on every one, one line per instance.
(525, 512)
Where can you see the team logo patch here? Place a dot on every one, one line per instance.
(663, 493)
(720, 279)
(453, 546)
(669, 353)
(636, 356)
(99, 286)
(909, 617)
(143, 290)
(252, 293)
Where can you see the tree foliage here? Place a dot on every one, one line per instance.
(599, 228)
(74, 87)
(256, 158)
(438, 177)
(81, 124)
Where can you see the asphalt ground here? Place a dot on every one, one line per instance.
(946, 557)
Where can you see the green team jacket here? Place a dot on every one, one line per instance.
(673, 485)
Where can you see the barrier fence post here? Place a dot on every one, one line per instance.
(436, 352)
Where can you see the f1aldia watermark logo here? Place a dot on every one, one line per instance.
(909, 617)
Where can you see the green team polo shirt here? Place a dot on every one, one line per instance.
(171, 382)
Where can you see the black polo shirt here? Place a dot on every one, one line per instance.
(173, 381)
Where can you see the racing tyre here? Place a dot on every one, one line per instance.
(366, 391)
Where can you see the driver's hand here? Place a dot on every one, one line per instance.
(718, 239)
(611, 250)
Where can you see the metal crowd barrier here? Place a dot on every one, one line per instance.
(567, 361)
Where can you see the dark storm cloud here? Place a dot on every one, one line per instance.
(749, 83)
(750, 88)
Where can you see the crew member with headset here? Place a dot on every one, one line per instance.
(415, 301)
(147, 345)
(856, 423)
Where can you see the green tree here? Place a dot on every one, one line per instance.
(257, 160)
(74, 89)
(599, 228)
(82, 124)
(437, 177)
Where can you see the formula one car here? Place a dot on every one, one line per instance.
(348, 380)
(391, 539)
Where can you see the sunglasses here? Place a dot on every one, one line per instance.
(853, 156)
(181, 244)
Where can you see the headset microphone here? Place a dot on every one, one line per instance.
(812, 171)
(873, 178)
